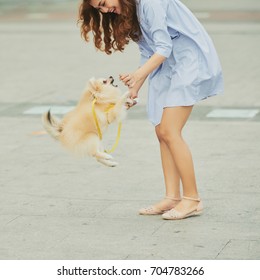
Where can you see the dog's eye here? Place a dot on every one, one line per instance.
(105, 81)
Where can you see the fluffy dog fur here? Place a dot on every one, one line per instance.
(77, 131)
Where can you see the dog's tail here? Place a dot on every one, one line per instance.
(52, 125)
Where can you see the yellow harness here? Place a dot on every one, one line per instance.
(98, 126)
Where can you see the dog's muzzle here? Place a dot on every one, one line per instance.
(111, 80)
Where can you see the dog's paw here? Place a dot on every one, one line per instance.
(129, 101)
(107, 162)
(103, 155)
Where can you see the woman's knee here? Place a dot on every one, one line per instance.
(158, 134)
(168, 135)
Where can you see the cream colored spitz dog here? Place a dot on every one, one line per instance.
(78, 132)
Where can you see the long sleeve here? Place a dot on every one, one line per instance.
(155, 19)
(145, 51)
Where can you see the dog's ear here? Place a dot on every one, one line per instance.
(94, 85)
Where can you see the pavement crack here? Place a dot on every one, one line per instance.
(223, 248)
(156, 229)
(13, 220)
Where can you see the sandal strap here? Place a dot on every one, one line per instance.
(172, 198)
(191, 198)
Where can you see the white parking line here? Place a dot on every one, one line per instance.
(38, 110)
(202, 15)
(233, 113)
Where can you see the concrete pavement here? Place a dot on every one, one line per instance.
(56, 206)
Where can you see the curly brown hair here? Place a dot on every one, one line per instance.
(110, 30)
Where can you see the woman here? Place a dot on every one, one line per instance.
(183, 68)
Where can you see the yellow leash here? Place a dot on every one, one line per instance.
(99, 130)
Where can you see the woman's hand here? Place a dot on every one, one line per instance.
(139, 76)
(129, 80)
(134, 82)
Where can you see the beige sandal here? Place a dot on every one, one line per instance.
(176, 215)
(152, 210)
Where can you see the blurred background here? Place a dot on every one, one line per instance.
(21, 6)
(37, 36)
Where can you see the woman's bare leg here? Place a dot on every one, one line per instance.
(171, 175)
(173, 121)
(170, 171)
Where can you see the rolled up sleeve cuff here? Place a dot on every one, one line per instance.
(164, 51)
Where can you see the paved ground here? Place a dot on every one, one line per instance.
(55, 206)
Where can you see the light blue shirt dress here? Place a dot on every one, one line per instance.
(191, 71)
